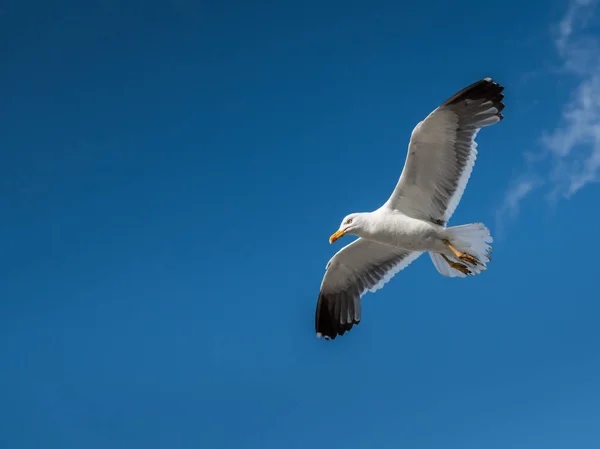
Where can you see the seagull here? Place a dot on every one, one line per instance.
(440, 159)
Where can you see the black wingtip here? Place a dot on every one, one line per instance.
(326, 325)
(484, 89)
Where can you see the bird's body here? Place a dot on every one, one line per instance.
(440, 158)
(397, 229)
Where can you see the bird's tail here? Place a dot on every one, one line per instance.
(472, 240)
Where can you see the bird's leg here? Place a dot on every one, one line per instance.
(457, 266)
(461, 256)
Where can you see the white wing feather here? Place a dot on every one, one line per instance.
(442, 153)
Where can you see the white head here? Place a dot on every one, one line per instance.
(351, 224)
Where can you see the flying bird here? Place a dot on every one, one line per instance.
(440, 159)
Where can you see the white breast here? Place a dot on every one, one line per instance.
(397, 229)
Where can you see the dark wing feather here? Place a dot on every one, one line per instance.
(357, 268)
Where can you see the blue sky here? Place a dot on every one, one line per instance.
(170, 173)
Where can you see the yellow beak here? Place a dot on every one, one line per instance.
(336, 235)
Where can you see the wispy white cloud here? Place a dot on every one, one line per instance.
(578, 14)
(573, 146)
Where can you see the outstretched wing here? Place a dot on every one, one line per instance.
(442, 152)
(359, 267)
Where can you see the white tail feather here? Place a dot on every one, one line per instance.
(473, 239)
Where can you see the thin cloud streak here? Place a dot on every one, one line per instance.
(519, 190)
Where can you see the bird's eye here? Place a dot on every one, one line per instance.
(349, 220)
